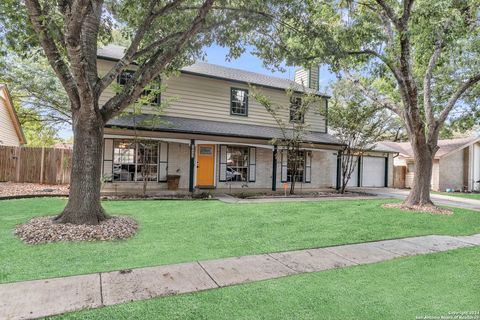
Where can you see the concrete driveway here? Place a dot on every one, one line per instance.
(436, 198)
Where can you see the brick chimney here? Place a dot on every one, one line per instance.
(310, 77)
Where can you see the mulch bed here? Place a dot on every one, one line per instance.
(44, 230)
(425, 209)
(10, 190)
(319, 194)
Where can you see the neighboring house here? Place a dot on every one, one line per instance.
(456, 164)
(11, 133)
(213, 135)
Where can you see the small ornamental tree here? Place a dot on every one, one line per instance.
(147, 149)
(357, 124)
(290, 120)
(163, 36)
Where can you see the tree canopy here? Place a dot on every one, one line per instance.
(417, 58)
(363, 38)
(37, 92)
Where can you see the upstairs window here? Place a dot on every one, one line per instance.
(126, 75)
(239, 102)
(296, 112)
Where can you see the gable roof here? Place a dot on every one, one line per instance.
(203, 69)
(8, 103)
(446, 146)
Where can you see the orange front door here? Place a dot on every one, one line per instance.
(205, 165)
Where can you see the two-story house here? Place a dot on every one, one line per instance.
(214, 135)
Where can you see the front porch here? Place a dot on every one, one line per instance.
(139, 161)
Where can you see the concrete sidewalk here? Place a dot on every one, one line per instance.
(40, 298)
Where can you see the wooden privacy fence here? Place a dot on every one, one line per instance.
(35, 165)
(399, 173)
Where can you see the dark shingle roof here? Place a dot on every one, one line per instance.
(221, 72)
(115, 52)
(208, 127)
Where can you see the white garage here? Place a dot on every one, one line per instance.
(353, 181)
(373, 171)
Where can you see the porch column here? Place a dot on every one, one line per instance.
(274, 169)
(339, 169)
(386, 171)
(359, 171)
(192, 165)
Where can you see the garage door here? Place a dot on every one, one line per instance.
(373, 172)
(353, 182)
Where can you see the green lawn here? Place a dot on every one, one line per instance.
(428, 285)
(474, 196)
(182, 231)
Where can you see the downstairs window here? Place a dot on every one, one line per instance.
(303, 161)
(135, 161)
(237, 164)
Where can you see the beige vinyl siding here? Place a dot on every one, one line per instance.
(195, 97)
(8, 134)
(103, 67)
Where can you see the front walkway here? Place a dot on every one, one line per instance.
(439, 199)
(40, 298)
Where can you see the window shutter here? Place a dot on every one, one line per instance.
(308, 166)
(252, 164)
(108, 159)
(162, 161)
(284, 166)
(223, 163)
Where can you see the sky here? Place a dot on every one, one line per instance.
(217, 55)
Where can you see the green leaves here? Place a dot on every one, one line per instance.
(35, 90)
(361, 38)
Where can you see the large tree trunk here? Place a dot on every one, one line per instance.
(84, 205)
(423, 156)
